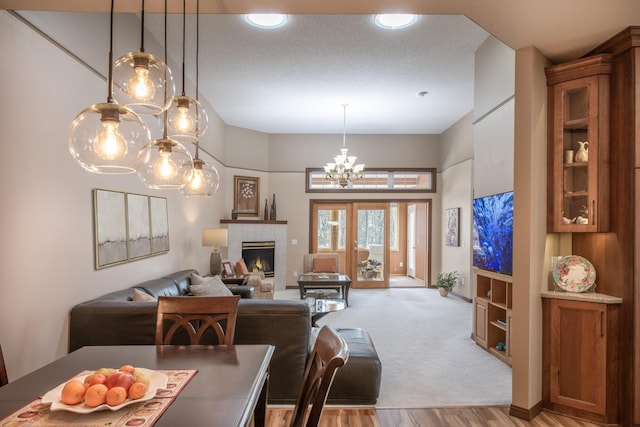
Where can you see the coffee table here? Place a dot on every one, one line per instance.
(320, 307)
(340, 282)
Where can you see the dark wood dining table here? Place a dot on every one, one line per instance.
(229, 388)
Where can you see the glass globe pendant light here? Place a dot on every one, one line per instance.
(106, 137)
(185, 113)
(204, 181)
(164, 163)
(141, 80)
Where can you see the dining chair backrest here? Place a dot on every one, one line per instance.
(197, 316)
(3, 370)
(329, 353)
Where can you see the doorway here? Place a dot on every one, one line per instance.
(380, 244)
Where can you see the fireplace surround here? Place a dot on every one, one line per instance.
(260, 231)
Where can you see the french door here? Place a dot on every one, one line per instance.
(357, 233)
(374, 239)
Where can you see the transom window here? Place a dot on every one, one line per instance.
(419, 180)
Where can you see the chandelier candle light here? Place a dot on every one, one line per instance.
(344, 170)
(106, 137)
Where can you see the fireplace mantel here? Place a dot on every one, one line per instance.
(256, 231)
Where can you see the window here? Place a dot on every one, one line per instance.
(419, 180)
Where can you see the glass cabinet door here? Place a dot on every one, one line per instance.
(578, 177)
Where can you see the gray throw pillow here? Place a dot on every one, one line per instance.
(208, 286)
(140, 295)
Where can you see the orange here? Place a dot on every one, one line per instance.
(128, 368)
(116, 395)
(94, 379)
(96, 395)
(137, 390)
(72, 392)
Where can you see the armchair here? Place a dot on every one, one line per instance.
(263, 286)
(328, 262)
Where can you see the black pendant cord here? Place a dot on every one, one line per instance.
(142, 29)
(197, 74)
(110, 78)
(184, 32)
(166, 114)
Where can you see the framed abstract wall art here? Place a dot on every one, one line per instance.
(246, 195)
(128, 226)
(452, 224)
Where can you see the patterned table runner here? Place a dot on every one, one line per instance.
(143, 414)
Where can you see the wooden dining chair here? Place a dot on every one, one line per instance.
(4, 379)
(329, 353)
(196, 316)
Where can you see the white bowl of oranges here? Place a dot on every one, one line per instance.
(106, 388)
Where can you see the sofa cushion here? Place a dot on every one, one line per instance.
(140, 295)
(324, 265)
(162, 287)
(208, 286)
(182, 280)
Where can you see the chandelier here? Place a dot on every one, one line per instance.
(343, 170)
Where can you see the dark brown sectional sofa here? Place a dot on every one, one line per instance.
(114, 319)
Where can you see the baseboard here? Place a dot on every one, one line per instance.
(525, 414)
(462, 297)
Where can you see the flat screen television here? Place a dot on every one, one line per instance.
(493, 233)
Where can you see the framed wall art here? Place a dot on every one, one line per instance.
(452, 232)
(128, 226)
(110, 227)
(159, 225)
(246, 195)
(139, 227)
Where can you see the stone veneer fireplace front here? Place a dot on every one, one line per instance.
(260, 231)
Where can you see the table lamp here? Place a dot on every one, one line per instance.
(215, 237)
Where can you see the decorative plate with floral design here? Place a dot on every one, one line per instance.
(574, 273)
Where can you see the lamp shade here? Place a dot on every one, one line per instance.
(164, 164)
(215, 237)
(204, 180)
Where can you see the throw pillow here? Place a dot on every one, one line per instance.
(209, 287)
(140, 295)
(241, 267)
(324, 265)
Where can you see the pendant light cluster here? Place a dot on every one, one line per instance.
(344, 170)
(111, 138)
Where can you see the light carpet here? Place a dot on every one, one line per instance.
(424, 342)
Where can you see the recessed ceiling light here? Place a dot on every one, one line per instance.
(266, 20)
(422, 93)
(395, 21)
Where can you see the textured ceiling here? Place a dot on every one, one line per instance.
(294, 79)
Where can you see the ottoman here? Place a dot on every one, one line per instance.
(358, 381)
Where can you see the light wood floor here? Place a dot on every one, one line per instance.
(443, 417)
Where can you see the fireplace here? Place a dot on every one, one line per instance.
(259, 256)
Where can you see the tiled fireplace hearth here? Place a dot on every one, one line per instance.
(260, 231)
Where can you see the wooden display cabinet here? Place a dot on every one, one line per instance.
(580, 355)
(578, 145)
(492, 313)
